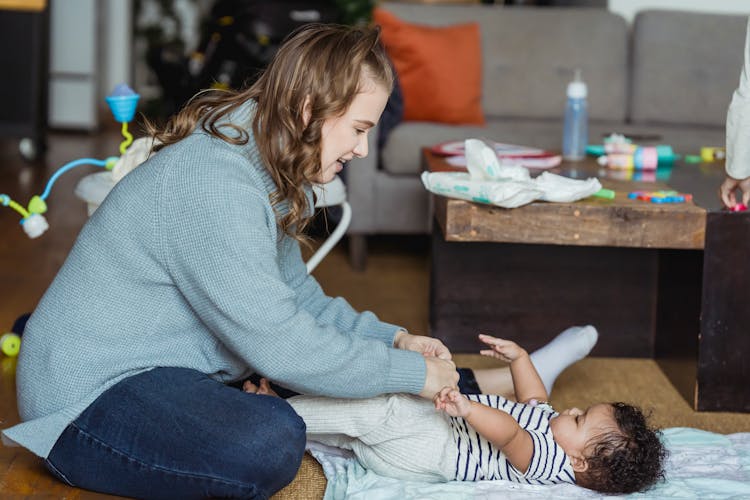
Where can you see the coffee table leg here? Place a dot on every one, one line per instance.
(724, 343)
(678, 311)
(702, 339)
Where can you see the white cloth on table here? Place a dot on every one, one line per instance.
(508, 186)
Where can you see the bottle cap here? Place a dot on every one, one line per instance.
(577, 88)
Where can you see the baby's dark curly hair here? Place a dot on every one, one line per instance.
(627, 460)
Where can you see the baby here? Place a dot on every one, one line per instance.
(608, 447)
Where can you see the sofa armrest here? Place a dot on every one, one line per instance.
(361, 186)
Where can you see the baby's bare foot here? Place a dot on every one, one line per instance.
(250, 387)
(264, 388)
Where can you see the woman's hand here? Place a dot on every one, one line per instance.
(452, 402)
(427, 346)
(505, 350)
(729, 186)
(440, 373)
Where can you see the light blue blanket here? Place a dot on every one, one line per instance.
(701, 465)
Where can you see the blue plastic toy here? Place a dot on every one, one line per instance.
(122, 102)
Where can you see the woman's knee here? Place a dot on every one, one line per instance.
(273, 453)
(291, 439)
(286, 426)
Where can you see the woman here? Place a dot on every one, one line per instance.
(189, 277)
(738, 138)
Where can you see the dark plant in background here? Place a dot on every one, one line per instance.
(236, 40)
(164, 30)
(355, 11)
(159, 30)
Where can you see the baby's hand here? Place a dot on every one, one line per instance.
(505, 350)
(452, 402)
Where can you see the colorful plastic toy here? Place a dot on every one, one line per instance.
(619, 152)
(710, 154)
(739, 207)
(607, 194)
(122, 102)
(660, 196)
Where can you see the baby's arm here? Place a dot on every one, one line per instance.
(526, 381)
(496, 426)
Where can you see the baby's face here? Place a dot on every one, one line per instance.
(573, 429)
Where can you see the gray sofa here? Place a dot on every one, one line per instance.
(670, 74)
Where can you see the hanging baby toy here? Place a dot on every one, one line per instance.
(122, 102)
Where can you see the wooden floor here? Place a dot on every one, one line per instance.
(395, 285)
(26, 268)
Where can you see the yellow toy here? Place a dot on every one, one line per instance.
(10, 344)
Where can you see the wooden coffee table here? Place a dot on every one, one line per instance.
(666, 281)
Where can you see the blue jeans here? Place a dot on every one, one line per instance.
(176, 433)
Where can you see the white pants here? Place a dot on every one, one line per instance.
(394, 435)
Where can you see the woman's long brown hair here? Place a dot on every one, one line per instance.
(327, 63)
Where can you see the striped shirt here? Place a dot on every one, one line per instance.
(479, 460)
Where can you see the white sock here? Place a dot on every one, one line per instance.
(568, 347)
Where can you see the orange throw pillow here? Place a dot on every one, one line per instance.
(439, 69)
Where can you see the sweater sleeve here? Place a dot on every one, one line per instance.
(218, 238)
(738, 121)
(333, 311)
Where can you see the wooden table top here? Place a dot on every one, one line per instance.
(620, 222)
(23, 5)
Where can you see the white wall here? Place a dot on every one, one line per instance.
(628, 8)
(90, 53)
(118, 42)
(73, 60)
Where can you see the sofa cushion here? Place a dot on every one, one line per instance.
(686, 66)
(529, 55)
(439, 69)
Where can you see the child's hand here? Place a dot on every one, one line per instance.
(452, 402)
(264, 388)
(505, 350)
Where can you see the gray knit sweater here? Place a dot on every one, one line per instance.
(183, 265)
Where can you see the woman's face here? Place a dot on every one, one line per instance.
(345, 137)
